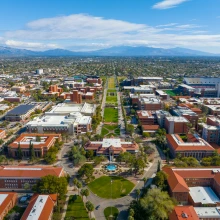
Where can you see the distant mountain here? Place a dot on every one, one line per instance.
(113, 51)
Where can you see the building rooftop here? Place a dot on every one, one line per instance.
(194, 143)
(183, 213)
(40, 207)
(67, 108)
(177, 119)
(203, 195)
(207, 212)
(29, 171)
(201, 80)
(21, 110)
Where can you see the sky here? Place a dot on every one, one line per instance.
(86, 25)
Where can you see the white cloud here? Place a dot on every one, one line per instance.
(86, 32)
(165, 4)
(29, 45)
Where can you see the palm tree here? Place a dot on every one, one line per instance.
(89, 207)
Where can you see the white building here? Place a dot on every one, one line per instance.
(39, 71)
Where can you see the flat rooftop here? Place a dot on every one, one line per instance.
(21, 110)
(207, 212)
(177, 119)
(203, 195)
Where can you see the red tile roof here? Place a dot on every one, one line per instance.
(49, 138)
(7, 200)
(175, 181)
(192, 147)
(180, 213)
(29, 171)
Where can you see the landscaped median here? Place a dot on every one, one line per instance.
(102, 187)
(111, 213)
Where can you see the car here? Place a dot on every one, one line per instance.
(71, 166)
(97, 207)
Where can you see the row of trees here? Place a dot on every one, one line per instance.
(137, 163)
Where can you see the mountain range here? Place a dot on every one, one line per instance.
(113, 51)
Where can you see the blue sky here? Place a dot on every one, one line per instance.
(95, 24)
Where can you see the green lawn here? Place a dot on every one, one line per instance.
(170, 92)
(111, 90)
(109, 129)
(104, 131)
(111, 99)
(108, 211)
(102, 187)
(111, 115)
(111, 83)
(76, 209)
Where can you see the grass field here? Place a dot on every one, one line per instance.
(110, 130)
(170, 92)
(111, 99)
(111, 90)
(108, 211)
(102, 187)
(111, 115)
(76, 209)
(111, 83)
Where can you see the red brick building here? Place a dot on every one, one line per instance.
(111, 147)
(194, 147)
(149, 104)
(180, 180)
(176, 125)
(7, 202)
(14, 177)
(40, 207)
(147, 117)
(41, 143)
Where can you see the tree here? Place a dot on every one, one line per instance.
(86, 193)
(79, 186)
(130, 129)
(89, 154)
(137, 192)
(138, 165)
(89, 207)
(157, 203)
(19, 152)
(50, 157)
(38, 138)
(145, 180)
(158, 165)
(2, 159)
(26, 186)
(160, 180)
(131, 212)
(31, 151)
(86, 171)
(52, 184)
